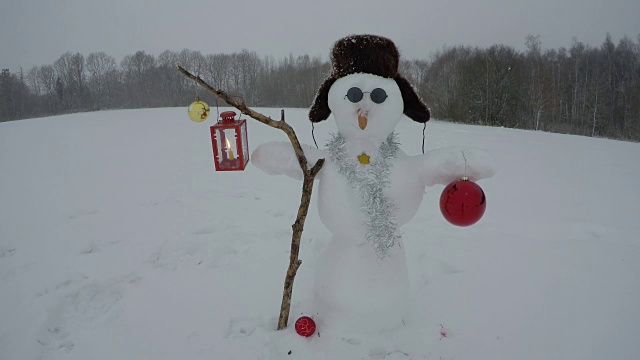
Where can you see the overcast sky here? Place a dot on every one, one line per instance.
(37, 32)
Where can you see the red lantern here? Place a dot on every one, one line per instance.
(230, 146)
(463, 202)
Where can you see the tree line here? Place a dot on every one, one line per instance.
(593, 91)
(585, 90)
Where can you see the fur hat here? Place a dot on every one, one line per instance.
(369, 54)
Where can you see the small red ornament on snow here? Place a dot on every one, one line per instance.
(305, 326)
(463, 202)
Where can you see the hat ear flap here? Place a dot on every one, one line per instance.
(320, 108)
(414, 107)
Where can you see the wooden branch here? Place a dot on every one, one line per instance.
(282, 125)
(307, 188)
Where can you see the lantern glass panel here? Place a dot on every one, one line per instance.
(229, 146)
(245, 142)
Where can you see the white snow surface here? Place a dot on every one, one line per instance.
(118, 240)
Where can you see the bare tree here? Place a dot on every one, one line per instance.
(64, 82)
(170, 83)
(99, 66)
(536, 77)
(34, 81)
(138, 71)
(217, 70)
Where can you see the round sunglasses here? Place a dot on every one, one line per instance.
(378, 95)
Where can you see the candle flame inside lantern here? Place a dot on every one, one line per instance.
(231, 156)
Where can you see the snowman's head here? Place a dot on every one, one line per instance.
(365, 106)
(365, 92)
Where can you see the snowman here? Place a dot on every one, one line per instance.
(368, 187)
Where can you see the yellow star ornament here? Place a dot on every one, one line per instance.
(364, 159)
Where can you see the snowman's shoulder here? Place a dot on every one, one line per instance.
(279, 158)
(313, 154)
(441, 166)
(403, 161)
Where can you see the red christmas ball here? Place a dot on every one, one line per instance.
(463, 202)
(305, 326)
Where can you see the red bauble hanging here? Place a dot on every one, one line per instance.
(463, 202)
(305, 326)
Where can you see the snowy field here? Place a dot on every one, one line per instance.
(118, 240)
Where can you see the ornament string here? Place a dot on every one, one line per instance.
(313, 135)
(465, 164)
(423, 129)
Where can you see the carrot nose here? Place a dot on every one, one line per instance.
(362, 119)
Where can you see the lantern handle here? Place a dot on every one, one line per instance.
(243, 102)
(218, 108)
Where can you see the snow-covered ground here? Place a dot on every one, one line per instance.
(118, 240)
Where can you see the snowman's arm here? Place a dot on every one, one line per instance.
(445, 165)
(279, 158)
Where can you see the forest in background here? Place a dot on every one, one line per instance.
(584, 90)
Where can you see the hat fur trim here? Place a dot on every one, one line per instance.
(414, 107)
(320, 108)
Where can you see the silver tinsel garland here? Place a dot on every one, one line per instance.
(369, 181)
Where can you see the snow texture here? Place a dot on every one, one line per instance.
(118, 240)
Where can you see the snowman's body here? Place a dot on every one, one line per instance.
(358, 282)
(355, 285)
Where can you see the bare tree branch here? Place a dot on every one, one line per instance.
(307, 188)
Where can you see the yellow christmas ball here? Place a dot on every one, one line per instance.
(198, 111)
